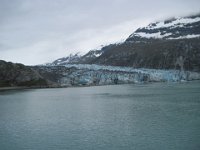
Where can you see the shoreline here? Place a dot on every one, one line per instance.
(21, 88)
(78, 86)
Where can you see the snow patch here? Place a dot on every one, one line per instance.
(179, 22)
(97, 54)
(156, 35)
(186, 37)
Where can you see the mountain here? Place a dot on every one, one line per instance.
(14, 74)
(77, 58)
(163, 51)
(168, 44)
(67, 60)
(181, 54)
(175, 28)
(88, 58)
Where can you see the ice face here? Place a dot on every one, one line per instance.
(85, 74)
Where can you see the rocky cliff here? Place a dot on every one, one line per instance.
(14, 74)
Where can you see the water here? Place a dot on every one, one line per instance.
(158, 116)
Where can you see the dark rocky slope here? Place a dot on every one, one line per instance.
(181, 54)
(14, 74)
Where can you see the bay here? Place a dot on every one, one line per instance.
(150, 116)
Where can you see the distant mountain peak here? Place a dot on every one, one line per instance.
(72, 58)
(174, 28)
(77, 58)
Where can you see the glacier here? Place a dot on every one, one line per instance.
(87, 75)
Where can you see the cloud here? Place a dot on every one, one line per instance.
(34, 32)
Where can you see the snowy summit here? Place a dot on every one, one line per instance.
(176, 28)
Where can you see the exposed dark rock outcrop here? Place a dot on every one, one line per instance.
(182, 54)
(14, 74)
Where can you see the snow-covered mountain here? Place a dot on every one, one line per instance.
(72, 58)
(168, 44)
(91, 55)
(77, 58)
(166, 51)
(175, 28)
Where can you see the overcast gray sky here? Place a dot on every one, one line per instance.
(38, 31)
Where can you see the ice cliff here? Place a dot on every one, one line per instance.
(78, 75)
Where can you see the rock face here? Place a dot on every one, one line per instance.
(169, 44)
(182, 54)
(12, 74)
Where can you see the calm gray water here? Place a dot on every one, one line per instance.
(158, 116)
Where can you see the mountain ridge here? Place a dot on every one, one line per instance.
(140, 58)
(175, 28)
(168, 44)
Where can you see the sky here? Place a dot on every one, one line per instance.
(39, 31)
